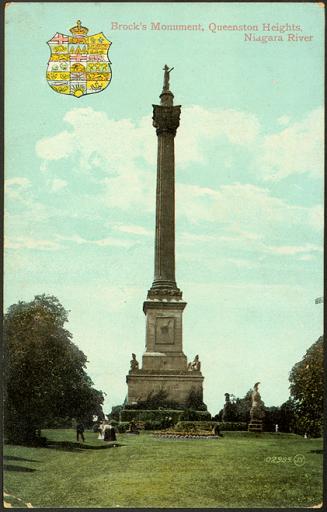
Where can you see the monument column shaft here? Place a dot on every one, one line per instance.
(164, 266)
(166, 122)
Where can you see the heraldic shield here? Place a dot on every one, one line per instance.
(79, 64)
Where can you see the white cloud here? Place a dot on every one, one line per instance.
(316, 217)
(125, 154)
(126, 151)
(296, 149)
(192, 237)
(290, 250)
(134, 230)
(128, 169)
(58, 184)
(56, 147)
(135, 190)
(246, 235)
(241, 263)
(98, 139)
(306, 257)
(246, 209)
(14, 187)
(30, 243)
(102, 242)
(19, 181)
(246, 217)
(283, 120)
(199, 125)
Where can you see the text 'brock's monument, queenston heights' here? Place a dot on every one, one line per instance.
(165, 368)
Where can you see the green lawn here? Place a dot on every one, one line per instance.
(143, 471)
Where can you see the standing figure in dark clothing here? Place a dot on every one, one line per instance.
(80, 431)
(109, 433)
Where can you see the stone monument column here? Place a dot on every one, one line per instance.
(166, 121)
(164, 364)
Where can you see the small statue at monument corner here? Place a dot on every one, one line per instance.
(194, 365)
(134, 363)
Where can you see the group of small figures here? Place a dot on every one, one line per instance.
(106, 431)
(194, 365)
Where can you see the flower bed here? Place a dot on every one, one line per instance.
(184, 435)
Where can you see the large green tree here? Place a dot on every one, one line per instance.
(45, 375)
(238, 409)
(307, 389)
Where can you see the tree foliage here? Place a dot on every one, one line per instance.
(238, 409)
(243, 406)
(45, 375)
(195, 400)
(155, 400)
(307, 389)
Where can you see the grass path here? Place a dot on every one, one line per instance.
(238, 470)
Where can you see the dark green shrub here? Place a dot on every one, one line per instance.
(150, 415)
(195, 401)
(155, 400)
(233, 425)
(58, 423)
(229, 412)
(152, 425)
(122, 427)
(188, 415)
(115, 410)
(194, 426)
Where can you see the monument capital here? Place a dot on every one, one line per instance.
(166, 118)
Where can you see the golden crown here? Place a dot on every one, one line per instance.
(79, 30)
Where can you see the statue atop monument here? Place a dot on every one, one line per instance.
(167, 96)
(166, 78)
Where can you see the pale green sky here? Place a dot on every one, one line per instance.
(80, 186)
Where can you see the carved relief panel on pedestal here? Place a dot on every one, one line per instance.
(165, 330)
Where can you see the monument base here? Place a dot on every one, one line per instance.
(177, 384)
(255, 426)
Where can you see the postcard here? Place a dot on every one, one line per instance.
(163, 282)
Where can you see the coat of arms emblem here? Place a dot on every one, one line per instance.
(79, 64)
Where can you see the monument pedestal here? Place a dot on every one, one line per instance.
(164, 365)
(177, 385)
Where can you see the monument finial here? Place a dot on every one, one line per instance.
(166, 78)
(166, 96)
